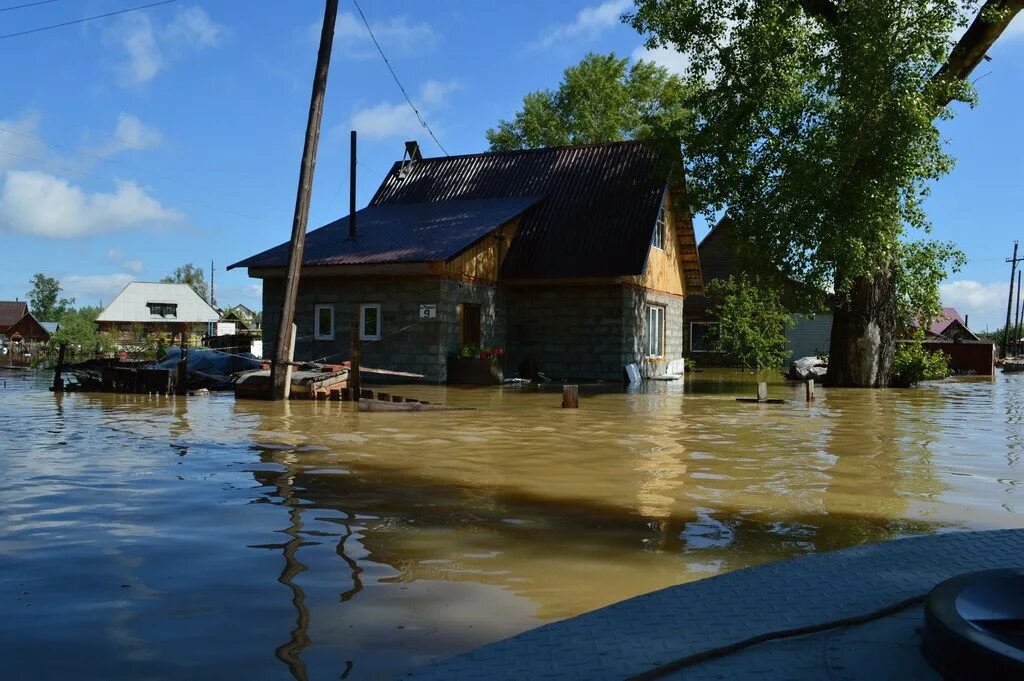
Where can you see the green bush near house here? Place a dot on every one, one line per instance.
(913, 364)
(752, 322)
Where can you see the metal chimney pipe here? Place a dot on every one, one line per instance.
(352, 186)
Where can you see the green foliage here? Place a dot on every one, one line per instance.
(194, 276)
(913, 364)
(920, 267)
(44, 298)
(752, 322)
(815, 125)
(469, 352)
(599, 100)
(77, 328)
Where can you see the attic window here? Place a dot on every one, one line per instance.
(163, 310)
(659, 229)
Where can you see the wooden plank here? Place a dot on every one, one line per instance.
(397, 398)
(384, 397)
(377, 405)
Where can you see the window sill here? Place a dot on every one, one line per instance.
(369, 338)
(323, 338)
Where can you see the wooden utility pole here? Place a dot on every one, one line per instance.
(1016, 319)
(280, 369)
(1009, 299)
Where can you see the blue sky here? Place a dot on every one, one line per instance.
(134, 144)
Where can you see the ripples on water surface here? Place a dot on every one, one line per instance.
(163, 538)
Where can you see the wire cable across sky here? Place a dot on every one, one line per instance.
(419, 116)
(82, 20)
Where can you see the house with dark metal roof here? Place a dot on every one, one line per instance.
(574, 260)
(11, 311)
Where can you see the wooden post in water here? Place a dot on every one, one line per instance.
(58, 382)
(182, 376)
(570, 397)
(762, 392)
(810, 389)
(356, 356)
(280, 380)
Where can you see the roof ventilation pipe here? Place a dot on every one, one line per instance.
(412, 154)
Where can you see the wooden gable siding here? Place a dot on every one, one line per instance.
(28, 328)
(482, 261)
(664, 269)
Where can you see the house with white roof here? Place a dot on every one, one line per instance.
(158, 308)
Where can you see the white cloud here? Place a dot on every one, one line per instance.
(18, 144)
(434, 93)
(144, 57)
(397, 36)
(34, 202)
(673, 60)
(385, 120)
(148, 50)
(94, 287)
(588, 24)
(131, 134)
(388, 119)
(193, 26)
(985, 303)
(117, 255)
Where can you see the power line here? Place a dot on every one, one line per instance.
(27, 4)
(85, 19)
(419, 116)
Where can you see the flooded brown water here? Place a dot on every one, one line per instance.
(204, 538)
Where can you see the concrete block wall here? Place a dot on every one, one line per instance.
(568, 331)
(407, 343)
(634, 331)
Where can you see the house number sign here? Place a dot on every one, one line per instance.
(428, 311)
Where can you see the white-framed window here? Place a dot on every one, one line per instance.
(702, 335)
(369, 322)
(323, 322)
(658, 241)
(655, 330)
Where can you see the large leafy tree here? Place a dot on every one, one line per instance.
(814, 122)
(194, 276)
(44, 299)
(601, 99)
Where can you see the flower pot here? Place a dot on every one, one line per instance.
(475, 371)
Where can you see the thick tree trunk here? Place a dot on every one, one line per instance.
(864, 334)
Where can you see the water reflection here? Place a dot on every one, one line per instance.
(328, 542)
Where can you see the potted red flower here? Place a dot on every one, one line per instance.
(476, 366)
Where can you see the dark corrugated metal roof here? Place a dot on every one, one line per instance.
(601, 202)
(10, 312)
(401, 233)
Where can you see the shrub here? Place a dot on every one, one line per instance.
(913, 364)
